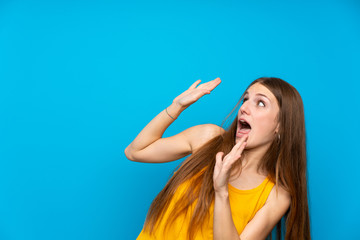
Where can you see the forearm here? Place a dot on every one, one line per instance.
(155, 128)
(224, 227)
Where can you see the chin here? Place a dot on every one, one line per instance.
(248, 146)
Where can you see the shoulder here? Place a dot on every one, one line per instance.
(200, 134)
(266, 217)
(212, 130)
(279, 196)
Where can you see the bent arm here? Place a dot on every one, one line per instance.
(159, 150)
(149, 146)
(153, 132)
(259, 227)
(224, 227)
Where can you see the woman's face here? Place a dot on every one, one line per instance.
(257, 117)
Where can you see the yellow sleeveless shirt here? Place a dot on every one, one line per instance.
(244, 205)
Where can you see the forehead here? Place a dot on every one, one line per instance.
(258, 88)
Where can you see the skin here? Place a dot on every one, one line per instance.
(149, 146)
(260, 109)
(261, 112)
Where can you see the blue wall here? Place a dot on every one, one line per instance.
(80, 79)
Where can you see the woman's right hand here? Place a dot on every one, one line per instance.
(193, 93)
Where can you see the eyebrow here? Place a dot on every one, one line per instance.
(257, 94)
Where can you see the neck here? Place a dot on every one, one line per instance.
(252, 158)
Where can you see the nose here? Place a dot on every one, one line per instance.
(244, 108)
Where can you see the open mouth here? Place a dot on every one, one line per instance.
(244, 126)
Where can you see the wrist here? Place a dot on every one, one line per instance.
(222, 194)
(174, 110)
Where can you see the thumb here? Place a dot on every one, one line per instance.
(218, 162)
(219, 156)
(194, 84)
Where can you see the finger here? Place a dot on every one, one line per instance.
(230, 159)
(211, 84)
(242, 144)
(227, 163)
(195, 84)
(219, 159)
(238, 145)
(201, 93)
(236, 151)
(214, 83)
(243, 139)
(240, 150)
(218, 163)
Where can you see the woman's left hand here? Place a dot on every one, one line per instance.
(223, 166)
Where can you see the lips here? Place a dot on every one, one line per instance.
(243, 126)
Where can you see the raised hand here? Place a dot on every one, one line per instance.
(193, 93)
(223, 166)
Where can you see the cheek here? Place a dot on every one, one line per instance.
(266, 125)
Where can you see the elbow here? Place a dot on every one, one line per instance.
(128, 154)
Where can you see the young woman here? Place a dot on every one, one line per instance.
(237, 183)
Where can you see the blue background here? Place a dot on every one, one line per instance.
(80, 79)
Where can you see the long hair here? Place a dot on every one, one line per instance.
(284, 161)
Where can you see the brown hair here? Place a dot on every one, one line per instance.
(284, 161)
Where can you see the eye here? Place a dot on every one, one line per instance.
(261, 103)
(244, 100)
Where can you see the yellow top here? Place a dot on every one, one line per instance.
(244, 204)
